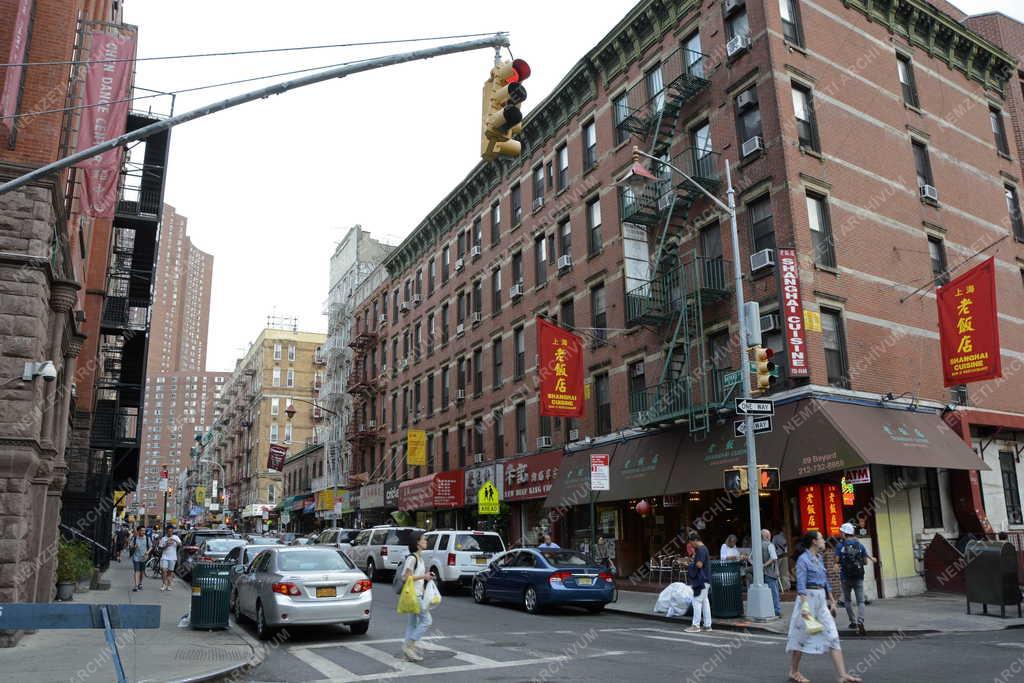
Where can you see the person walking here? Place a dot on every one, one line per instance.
(852, 556)
(168, 556)
(418, 624)
(812, 628)
(138, 551)
(547, 543)
(698, 576)
(771, 569)
(781, 544)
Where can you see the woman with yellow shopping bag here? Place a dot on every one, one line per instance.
(411, 599)
(812, 628)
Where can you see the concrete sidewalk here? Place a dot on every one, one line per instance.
(166, 654)
(917, 615)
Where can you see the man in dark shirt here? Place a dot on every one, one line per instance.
(698, 575)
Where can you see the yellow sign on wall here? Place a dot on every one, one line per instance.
(812, 320)
(488, 502)
(416, 447)
(325, 500)
(200, 495)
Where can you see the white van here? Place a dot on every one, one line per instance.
(455, 557)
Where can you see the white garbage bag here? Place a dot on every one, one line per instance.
(675, 600)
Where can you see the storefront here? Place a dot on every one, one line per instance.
(475, 478)
(527, 483)
(433, 500)
(259, 517)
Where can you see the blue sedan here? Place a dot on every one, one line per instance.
(539, 578)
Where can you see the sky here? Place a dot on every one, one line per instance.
(271, 186)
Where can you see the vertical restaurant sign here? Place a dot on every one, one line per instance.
(275, 459)
(561, 371)
(969, 326)
(793, 313)
(416, 447)
(17, 55)
(833, 508)
(811, 512)
(108, 82)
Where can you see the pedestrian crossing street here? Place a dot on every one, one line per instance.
(345, 661)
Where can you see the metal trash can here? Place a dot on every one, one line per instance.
(992, 575)
(726, 589)
(211, 593)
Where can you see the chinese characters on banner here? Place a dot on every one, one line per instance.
(793, 313)
(561, 371)
(16, 57)
(416, 447)
(833, 508)
(968, 326)
(275, 460)
(811, 509)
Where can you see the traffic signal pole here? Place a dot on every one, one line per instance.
(498, 40)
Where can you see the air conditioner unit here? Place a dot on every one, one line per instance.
(460, 329)
(543, 442)
(574, 435)
(752, 145)
(404, 306)
(478, 458)
(459, 264)
(564, 261)
(475, 251)
(460, 394)
(762, 259)
(538, 202)
(417, 299)
(515, 291)
(929, 192)
(730, 6)
(746, 99)
(737, 45)
(383, 319)
(476, 317)
(770, 322)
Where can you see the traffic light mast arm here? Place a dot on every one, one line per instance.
(496, 41)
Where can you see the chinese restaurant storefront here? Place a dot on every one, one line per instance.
(434, 500)
(527, 482)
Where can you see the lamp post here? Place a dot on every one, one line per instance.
(759, 600)
(335, 466)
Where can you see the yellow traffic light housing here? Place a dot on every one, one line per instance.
(764, 367)
(769, 478)
(501, 118)
(735, 480)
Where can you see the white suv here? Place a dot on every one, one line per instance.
(382, 549)
(338, 538)
(455, 557)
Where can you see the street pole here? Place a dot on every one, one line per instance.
(163, 525)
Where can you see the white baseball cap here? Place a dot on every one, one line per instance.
(847, 529)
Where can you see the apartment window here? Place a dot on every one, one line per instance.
(566, 314)
(995, 116)
(821, 231)
(937, 254)
(460, 374)
(791, 21)
(478, 372)
(405, 343)
(431, 275)
(540, 259)
(444, 323)
(748, 118)
(394, 352)
(460, 308)
(738, 25)
(478, 232)
(444, 450)
(931, 501)
(834, 340)
(520, 427)
(594, 242)
(416, 396)
(496, 291)
(922, 164)
(1011, 492)
(803, 108)
(431, 333)
(275, 405)
(277, 352)
(654, 83)
(291, 352)
(603, 404)
(589, 145)
(463, 433)
(430, 394)
(496, 361)
(460, 243)
(538, 186)
(478, 436)
(762, 229)
(496, 220)
(906, 73)
(287, 432)
(519, 348)
(562, 178)
(499, 433)
(1013, 209)
(405, 407)
(599, 314)
(446, 388)
(446, 263)
(417, 340)
(694, 55)
(517, 268)
(564, 238)
(408, 290)
(478, 296)
(394, 307)
(276, 377)
(274, 432)
(620, 112)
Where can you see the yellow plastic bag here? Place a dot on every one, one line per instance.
(407, 602)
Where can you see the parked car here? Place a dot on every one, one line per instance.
(340, 539)
(190, 543)
(302, 586)
(262, 540)
(379, 551)
(241, 556)
(455, 557)
(216, 549)
(301, 540)
(539, 578)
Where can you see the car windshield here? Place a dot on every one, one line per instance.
(479, 543)
(262, 540)
(222, 545)
(400, 537)
(251, 553)
(348, 536)
(313, 560)
(565, 558)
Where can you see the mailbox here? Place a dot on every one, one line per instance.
(992, 575)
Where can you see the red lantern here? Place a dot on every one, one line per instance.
(643, 508)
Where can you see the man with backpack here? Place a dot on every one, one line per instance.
(852, 556)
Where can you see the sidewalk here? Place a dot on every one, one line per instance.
(917, 615)
(168, 653)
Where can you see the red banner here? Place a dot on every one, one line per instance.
(561, 371)
(275, 460)
(833, 508)
(17, 55)
(812, 514)
(969, 326)
(793, 313)
(105, 113)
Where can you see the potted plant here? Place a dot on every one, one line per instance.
(84, 563)
(67, 569)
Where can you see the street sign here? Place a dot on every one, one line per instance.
(600, 480)
(762, 425)
(750, 406)
(488, 502)
(732, 378)
(163, 484)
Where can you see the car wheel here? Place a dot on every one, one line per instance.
(479, 592)
(371, 572)
(263, 631)
(595, 609)
(530, 600)
(359, 628)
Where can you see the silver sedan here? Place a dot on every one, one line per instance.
(302, 585)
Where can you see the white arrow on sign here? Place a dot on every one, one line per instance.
(762, 425)
(746, 406)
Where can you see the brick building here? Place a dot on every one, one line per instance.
(871, 140)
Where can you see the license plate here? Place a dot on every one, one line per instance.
(326, 592)
(585, 581)
(481, 560)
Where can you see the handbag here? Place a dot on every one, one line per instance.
(811, 624)
(407, 602)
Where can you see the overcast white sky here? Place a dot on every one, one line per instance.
(269, 187)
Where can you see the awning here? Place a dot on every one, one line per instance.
(309, 508)
(438, 491)
(572, 487)
(641, 467)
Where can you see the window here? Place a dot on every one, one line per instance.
(277, 352)
(803, 107)
(762, 230)
(430, 394)
(431, 275)
(496, 361)
(394, 352)
(444, 323)
(538, 187)
(405, 407)
(594, 242)
(598, 314)
(419, 282)
(566, 314)
(748, 117)
(565, 238)
(694, 55)
(906, 73)
(540, 259)
(520, 427)
(405, 343)
(444, 450)
(791, 21)
(287, 432)
(496, 291)
(1013, 209)
(463, 434)
(620, 112)
(446, 262)
(821, 231)
(603, 404)
(589, 145)
(545, 424)
(431, 333)
(654, 84)
(478, 296)
(478, 232)
(562, 179)
(394, 307)
(922, 164)
(417, 340)
(394, 412)
(478, 372)
(931, 501)
(1011, 492)
(998, 130)
(276, 381)
(275, 404)
(496, 220)
(446, 388)
(517, 268)
(937, 254)
(460, 243)
(519, 348)
(291, 352)
(499, 434)
(738, 25)
(460, 308)
(408, 290)
(416, 396)
(637, 384)
(834, 340)
(274, 432)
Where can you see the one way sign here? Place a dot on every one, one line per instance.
(747, 406)
(762, 425)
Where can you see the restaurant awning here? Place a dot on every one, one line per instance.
(572, 487)
(641, 467)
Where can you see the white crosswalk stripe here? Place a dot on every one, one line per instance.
(733, 636)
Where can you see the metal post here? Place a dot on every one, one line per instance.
(593, 523)
(335, 466)
(163, 525)
(759, 598)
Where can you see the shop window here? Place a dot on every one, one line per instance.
(1011, 491)
(931, 506)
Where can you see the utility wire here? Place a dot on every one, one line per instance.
(250, 52)
(949, 271)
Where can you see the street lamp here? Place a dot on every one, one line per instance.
(759, 600)
(289, 410)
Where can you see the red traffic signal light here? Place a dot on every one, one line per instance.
(502, 95)
(764, 367)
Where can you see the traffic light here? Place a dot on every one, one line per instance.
(735, 480)
(769, 479)
(764, 367)
(501, 117)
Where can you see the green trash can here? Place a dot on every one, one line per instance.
(726, 589)
(211, 594)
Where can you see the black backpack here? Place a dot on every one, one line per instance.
(851, 559)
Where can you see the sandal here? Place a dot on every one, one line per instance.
(850, 678)
(798, 678)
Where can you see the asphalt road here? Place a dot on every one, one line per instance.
(475, 643)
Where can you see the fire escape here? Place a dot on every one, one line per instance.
(682, 284)
(365, 384)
